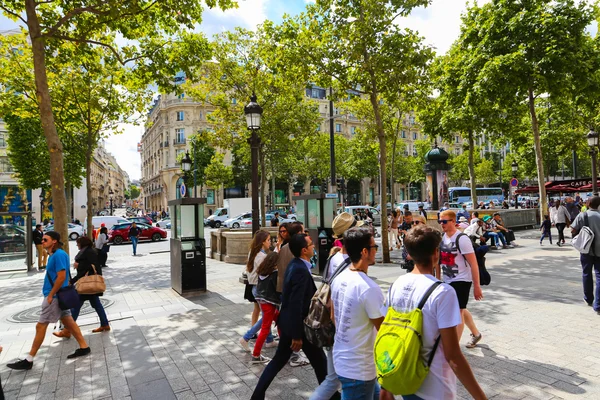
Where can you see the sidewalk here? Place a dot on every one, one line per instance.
(539, 336)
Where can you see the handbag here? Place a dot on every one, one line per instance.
(67, 295)
(106, 248)
(244, 278)
(91, 284)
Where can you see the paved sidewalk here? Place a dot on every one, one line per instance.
(539, 336)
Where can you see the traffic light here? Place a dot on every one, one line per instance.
(324, 186)
(341, 184)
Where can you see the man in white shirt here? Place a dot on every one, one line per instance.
(460, 270)
(441, 316)
(357, 303)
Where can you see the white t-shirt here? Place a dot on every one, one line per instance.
(356, 300)
(453, 264)
(335, 262)
(439, 312)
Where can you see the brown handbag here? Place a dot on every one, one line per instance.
(91, 284)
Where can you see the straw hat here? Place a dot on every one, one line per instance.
(462, 219)
(343, 222)
(419, 218)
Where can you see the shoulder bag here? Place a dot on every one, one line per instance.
(67, 295)
(91, 284)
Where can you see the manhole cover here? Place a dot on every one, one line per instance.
(33, 314)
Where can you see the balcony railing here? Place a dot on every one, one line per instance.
(166, 144)
(178, 141)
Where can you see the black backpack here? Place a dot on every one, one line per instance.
(484, 276)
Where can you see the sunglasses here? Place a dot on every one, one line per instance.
(376, 247)
(45, 240)
(283, 231)
(443, 221)
(416, 222)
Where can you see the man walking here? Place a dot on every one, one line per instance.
(42, 255)
(55, 279)
(590, 263)
(275, 219)
(357, 303)
(460, 271)
(298, 289)
(134, 233)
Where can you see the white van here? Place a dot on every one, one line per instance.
(356, 209)
(109, 221)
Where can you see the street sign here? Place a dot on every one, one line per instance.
(514, 182)
(331, 195)
(182, 189)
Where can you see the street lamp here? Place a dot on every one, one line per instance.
(515, 167)
(110, 196)
(186, 165)
(592, 139)
(253, 112)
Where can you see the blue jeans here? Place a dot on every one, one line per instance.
(96, 305)
(255, 329)
(546, 234)
(331, 384)
(134, 241)
(354, 389)
(589, 263)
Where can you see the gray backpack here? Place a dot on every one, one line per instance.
(584, 241)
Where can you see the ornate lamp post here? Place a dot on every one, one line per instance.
(515, 167)
(592, 139)
(253, 112)
(42, 196)
(186, 165)
(110, 196)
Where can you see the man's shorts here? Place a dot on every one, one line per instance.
(463, 291)
(52, 312)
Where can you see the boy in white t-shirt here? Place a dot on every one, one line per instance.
(357, 302)
(441, 316)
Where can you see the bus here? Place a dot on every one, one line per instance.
(461, 195)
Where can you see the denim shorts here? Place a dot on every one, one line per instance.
(354, 389)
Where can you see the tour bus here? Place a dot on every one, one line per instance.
(461, 195)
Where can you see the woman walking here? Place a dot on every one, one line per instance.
(560, 218)
(269, 300)
(393, 231)
(258, 252)
(86, 262)
(101, 245)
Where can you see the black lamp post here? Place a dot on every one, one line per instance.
(42, 195)
(515, 167)
(186, 165)
(110, 196)
(592, 139)
(253, 113)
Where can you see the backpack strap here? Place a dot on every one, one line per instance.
(586, 222)
(420, 307)
(340, 269)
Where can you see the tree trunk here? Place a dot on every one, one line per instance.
(69, 198)
(539, 160)
(472, 168)
(273, 191)
(394, 158)
(263, 184)
(382, 172)
(55, 148)
(88, 185)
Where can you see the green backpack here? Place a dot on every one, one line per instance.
(400, 368)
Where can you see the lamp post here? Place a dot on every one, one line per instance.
(42, 195)
(592, 139)
(186, 165)
(253, 112)
(515, 167)
(110, 196)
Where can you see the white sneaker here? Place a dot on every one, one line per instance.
(498, 247)
(260, 360)
(244, 345)
(271, 345)
(298, 360)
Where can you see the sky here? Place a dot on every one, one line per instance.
(439, 24)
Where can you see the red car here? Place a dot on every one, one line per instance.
(120, 233)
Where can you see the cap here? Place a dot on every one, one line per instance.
(54, 235)
(102, 225)
(343, 222)
(486, 218)
(420, 204)
(462, 219)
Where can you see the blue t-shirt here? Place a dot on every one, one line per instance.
(58, 261)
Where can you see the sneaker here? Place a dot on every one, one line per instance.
(21, 365)
(542, 244)
(80, 353)
(589, 304)
(298, 361)
(474, 340)
(244, 345)
(498, 247)
(511, 246)
(271, 344)
(505, 247)
(254, 337)
(558, 244)
(260, 360)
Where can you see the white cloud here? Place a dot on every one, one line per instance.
(124, 148)
(249, 14)
(439, 23)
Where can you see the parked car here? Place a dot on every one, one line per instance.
(109, 221)
(282, 219)
(164, 223)
(120, 233)
(74, 230)
(12, 239)
(235, 221)
(355, 209)
(144, 219)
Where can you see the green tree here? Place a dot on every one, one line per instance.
(485, 172)
(357, 47)
(217, 173)
(201, 155)
(528, 49)
(161, 49)
(134, 192)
